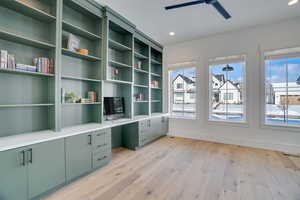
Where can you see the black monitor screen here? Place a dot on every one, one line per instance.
(114, 105)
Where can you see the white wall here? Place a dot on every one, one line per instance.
(249, 42)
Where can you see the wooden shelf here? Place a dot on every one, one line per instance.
(141, 86)
(79, 31)
(154, 74)
(16, 71)
(118, 46)
(75, 104)
(118, 64)
(119, 81)
(140, 56)
(79, 55)
(140, 70)
(80, 79)
(28, 10)
(155, 62)
(6, 35)
(25, 105)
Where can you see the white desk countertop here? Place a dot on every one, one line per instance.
(26, 139)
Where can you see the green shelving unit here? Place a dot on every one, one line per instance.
(121, 62)
(27, 98)
(81, 73)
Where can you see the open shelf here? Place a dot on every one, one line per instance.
(77, 104)
(154, 74)
(119, 81)
(24, 40)
(79, 55)
(155, 62)
(16, 71)
(140, 56)
(25, 105)
(140, 70)
(118, 64)
(118, 46)
(28, 10)
(155, 101)
(141, 101)
(80, 78)
(141, 86)
(79, 31)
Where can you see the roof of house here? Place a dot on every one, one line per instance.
(186, 79)
(220, 77)
(236, 85)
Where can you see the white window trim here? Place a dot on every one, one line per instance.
(226, 60)
(183, 65)
(262, 53)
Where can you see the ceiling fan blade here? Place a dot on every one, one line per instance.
(221, 10)
(185, 4)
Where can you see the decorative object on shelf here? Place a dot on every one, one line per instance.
(83, 51)
(37, 4)
(139, 64)
(73, 42)
(84, 100)
(154, 84)
(139, 97)
(92, 96)
(3, 60)
(71, 97)
(115, 74)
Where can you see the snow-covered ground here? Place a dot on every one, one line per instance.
(275, 113)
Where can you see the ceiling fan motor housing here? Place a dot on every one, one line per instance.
(210, 1)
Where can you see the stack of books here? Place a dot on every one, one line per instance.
(43, 65)
(7, 61)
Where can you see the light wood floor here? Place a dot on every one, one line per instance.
(184, 169)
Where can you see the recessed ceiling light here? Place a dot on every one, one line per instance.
(292, 2)
(172, 33)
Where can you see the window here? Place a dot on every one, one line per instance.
(282, 89)
(183, 92)
(227, 89)
(179, 86)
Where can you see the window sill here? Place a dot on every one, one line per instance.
(184, 118)
(280, 127)
(243, 124)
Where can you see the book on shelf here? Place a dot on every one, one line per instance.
(3, 60)
(44, 65)
(11, 64)
(23, 67)
(73, 42)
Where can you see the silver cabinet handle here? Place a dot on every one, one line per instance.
(102, 158)
(90, 139)
(23, 161)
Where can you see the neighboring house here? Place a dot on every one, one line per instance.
(269, 93)
(217, 82)
(230, 93)
(184, 89)
(282, 94)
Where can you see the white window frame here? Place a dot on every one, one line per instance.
(274, 53)
(222, 61)
(178, 66)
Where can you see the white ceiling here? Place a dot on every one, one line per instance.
(201, 20)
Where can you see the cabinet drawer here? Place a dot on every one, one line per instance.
(143, 125)
(106, 146)
(101, 137)
(100, 159)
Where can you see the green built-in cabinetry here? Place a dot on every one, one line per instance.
(139, 134)
(121, 62)
(31, 171)
(93, 149)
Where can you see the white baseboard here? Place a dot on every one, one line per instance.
(286, 148)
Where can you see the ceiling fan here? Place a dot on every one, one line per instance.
(214, 3)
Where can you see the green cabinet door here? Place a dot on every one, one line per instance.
(46, 167)
(165, 125)
(156, 128)
(78, 155)
(13, 175)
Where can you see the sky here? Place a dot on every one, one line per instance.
(276, 70)
(236, 75)
(189, 72)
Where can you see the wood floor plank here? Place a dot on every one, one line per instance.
(185, 169)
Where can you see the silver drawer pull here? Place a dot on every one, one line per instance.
(102, 145)
(102, 158)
